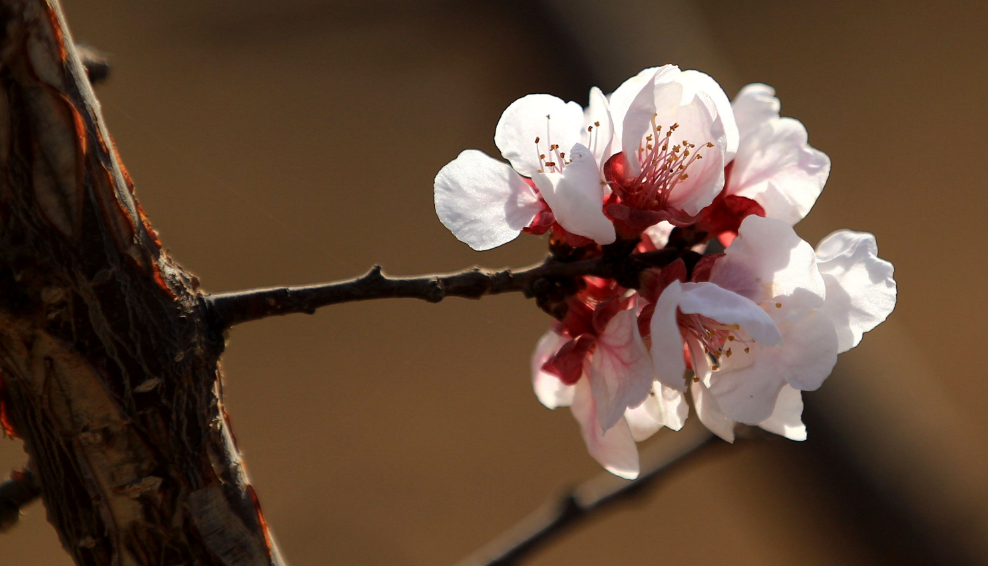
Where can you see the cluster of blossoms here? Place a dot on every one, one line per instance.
(668, 162)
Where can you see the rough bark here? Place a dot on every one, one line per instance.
(108, 364)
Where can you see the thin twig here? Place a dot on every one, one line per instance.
(590, 499)
(229, 309)
(96, 63)
(15, 493)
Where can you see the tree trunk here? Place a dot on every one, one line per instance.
(109, 361)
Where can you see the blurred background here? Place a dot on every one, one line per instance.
(296, 141)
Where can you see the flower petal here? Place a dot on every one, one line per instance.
(755, 105)
(667, 342)
(696, 81)
(548, 388)
(769, 262)
(697, 123)
(620, 100)
(748, 384)
(614, 449)
(777, 168)
(704, 402)
(541, 116)
(728, 307)
(598, 127)
(861, 292)
(659, 234)
(576, 197)
(709, 412)
(786, 420)
(482, 201)
(638, 119)
(620, 372)
(664, 407)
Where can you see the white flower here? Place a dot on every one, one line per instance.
(773, 316)
(676, 131)
(775, 165)
(552, 146)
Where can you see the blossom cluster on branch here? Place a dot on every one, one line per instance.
(667, 161)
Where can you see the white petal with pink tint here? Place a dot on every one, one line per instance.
(861, 292)
(664, 407)
(620, 371)
(548, 388)
(542, 116)
(694, 82)
(754, 106)
(482, 201)
(704, 402)
(727, 307)
(786, 419)
(620, 100)
(768, 261)
(576, 196)
(667, 342)
(598, 127)
(748, 384)
(709, 412)
(638, 119)
(777, 168)
(706, 176)
(615, 449)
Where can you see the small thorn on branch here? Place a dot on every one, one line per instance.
(21, 489)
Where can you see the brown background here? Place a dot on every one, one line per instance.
(296, 141)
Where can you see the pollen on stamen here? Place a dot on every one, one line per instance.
(596, 124)
(715, 367)
(728, 352)
(747, 350)
(778, 305)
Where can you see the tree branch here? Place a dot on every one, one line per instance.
(229, 309)
(576, 506)
(22, 488)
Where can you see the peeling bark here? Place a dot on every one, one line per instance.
(109, 365)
